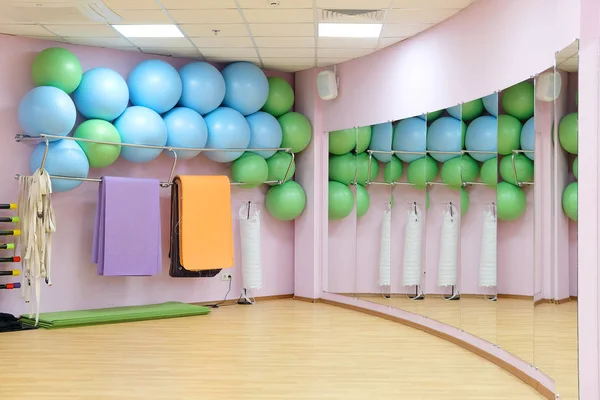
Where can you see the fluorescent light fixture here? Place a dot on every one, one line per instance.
(344, 30)
(149, 31)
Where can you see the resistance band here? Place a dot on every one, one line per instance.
(14, 232)
(7, 246)
(10, 206)
(14, 272)
(9, 219)
(10, 259)
(15, 285)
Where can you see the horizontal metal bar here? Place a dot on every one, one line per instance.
(524, 151)
(379, 152)
(444, 152)
(435, 183)
(472, 183)
(479, 152)
(21, 137)
(527, 183)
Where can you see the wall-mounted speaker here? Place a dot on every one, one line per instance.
(327, 85)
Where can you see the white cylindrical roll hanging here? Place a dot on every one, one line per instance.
(448, 247)
(411, 271)
(385, 249)
(487, 266)
(250, 241)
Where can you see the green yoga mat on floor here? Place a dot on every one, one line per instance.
(66, 319)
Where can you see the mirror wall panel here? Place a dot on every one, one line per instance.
(515, 212)
(479, 178)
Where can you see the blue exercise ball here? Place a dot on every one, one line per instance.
(381, 140)
(141, 125)
(455, 111)
(445, 134)
(185, 128)
(227, 129)
(490, 103)
(102, 94)
(528, 137)
(65, 158)
(203, 87)
(154, 84)
(410, 135)
(265, 133)
(247, 87)
(482, 135)
(47, 110)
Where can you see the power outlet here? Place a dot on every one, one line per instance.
(226, 276)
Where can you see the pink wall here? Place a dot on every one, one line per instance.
(75, 284)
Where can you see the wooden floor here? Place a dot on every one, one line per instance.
(282, 349)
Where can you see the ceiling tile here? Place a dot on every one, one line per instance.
(197, 4)
(421, 4)
(24, 30)
(144, 17)
(283, 30)
(279, 16)
(325, 62)
(287, 68)
(432, 16)
(223, 41)
(161, 42)
(207, 16)
(206, 30)
(282, 4)
(348, 43)
(132, 4)
(400, 30)
(385, 42)
(301, 62)
(228, 52)
(100, 42)
(354, 4)
(228, 60)
(83, 30)
(282, 52)
(293, 42)
(174, 52)
(343, 53)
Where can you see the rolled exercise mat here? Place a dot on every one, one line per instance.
(205, 222)
(66, 319)
(10, 323)
(176, 270)
(127, 232)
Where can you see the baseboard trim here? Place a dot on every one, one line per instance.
(234, 301)
(305, 299)
(437, 295)
(514, 296)
(552, 301)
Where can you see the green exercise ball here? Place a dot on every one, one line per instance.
(421, 171)
(342, 168)
(296, 130)
(58, 67)
(99, 155)
(393, 170)
(250, 169)
(575, 167)
(519, 100)
(464, 201)
(363, 139)
(463, 134)
(489, 172)
(432, 116)
(281, 97)
(472, 109)
(523, 166)
(569, 201)
(342, 141)
(567, 133)
(278, 165)
(341, 200)
(512, 202)
(362, 167)
(363, 201)
(286, 201)
(426, 201)
(457, 170)
(509, 134)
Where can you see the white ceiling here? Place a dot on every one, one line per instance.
(282, 37)
(568, 58)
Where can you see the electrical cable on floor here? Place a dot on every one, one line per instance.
(217, 305)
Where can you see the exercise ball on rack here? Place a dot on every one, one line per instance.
(281, 97)
(363, 201)
(342, 141)
(509, 134)
(265, 133)
(482, 135)
(528, 138)
(523, 167)
(489, 172)
(246, 87)
(203, 87)
(286, 202)
(410, 135)
(490, 103)
(445, 134)
(511, 202)
(362, 168)
(102, 94)
(458, 170)
(342, 168)
(250, 169)
(99, 155)
(519, 100)
(467, 111)
(296, 131)
(280, 164)
(65, 158)
(432, 116)
(575, 168)
(340, 201)
(47, 110)
(421, 171)
(568, 133)
(227, 129)
(569, 200)
(155, 84)
(381, 140)
(57, 67)
(392, 170)
(141, 125)
(363, 138)
(185, 128)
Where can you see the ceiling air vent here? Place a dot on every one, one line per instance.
(48, 12)
(352, 16)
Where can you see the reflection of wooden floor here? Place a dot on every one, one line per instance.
(544, 335)
(282, 350)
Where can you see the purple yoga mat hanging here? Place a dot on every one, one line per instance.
(127, 233)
